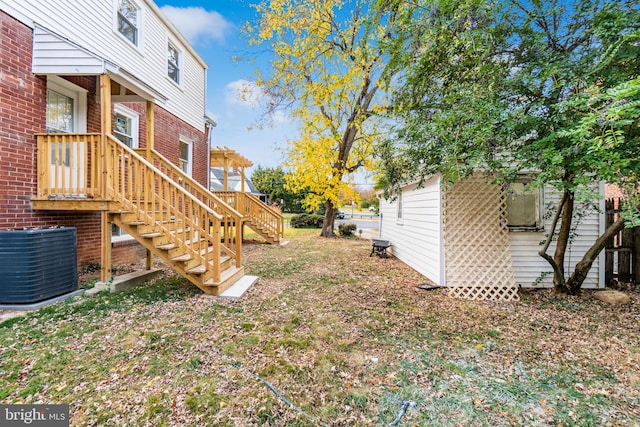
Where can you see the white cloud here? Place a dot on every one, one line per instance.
(243, 93)
(198, 24)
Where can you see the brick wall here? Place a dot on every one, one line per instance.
(612, 191)
(22, 101)
(128, 252)
(22, 115)
(90, 83)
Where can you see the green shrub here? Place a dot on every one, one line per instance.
(306, 221)
(347, 230)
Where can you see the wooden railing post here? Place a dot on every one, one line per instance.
(150, 131)
(105, 113)
(105, 224)
(105, 248)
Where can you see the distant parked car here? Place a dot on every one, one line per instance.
(373, 209)
(340, 215)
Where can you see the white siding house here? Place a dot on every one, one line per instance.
(87, 41)
(414, 222)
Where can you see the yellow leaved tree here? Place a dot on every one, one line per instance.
(327, 69)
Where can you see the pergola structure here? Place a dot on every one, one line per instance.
(227, 158)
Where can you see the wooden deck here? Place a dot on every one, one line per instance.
(195, 231)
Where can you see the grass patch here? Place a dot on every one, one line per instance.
(344, 337)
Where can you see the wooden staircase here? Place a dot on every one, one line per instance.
(170, 214)
(162, 242)
(177, 219)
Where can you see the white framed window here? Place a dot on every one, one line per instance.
(128, 21)
(66, 106)
(173, 62)
(60, 112)
(399, 208)
(128, 14)
(126, 124)
(524, 205)
(185, 157)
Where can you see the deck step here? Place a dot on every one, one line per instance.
(181, 258)
(151, 235)
(166, 246)
(199, 269)
(224, 275)
(227, 278)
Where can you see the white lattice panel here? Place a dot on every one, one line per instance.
(477, 249)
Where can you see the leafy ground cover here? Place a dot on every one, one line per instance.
(328, 336)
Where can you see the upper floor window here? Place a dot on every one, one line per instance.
(128, 20)
(173, 63)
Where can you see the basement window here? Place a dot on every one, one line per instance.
(524, 203)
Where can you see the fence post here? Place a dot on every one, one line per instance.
(608, 252)
(625, 255)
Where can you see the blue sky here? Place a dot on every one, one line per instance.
(214, 30)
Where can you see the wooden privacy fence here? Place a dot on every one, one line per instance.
(622, 253)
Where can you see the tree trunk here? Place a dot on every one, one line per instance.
(574, 283)
(563, 241)
(329, 218)
(558, 274)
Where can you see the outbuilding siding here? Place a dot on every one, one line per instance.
(417, 237)
(532, 270)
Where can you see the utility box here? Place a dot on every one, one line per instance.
(37, 264)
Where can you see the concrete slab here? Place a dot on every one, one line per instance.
(125, 281)
(7, 311)
(240, 287)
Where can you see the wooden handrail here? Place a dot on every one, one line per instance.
(274, 216)
(266, 207)
(231, 218)
(164, 206)
(255, 210)
(186, 181)
(67, 165)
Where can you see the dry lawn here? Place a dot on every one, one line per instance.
(328, 336)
